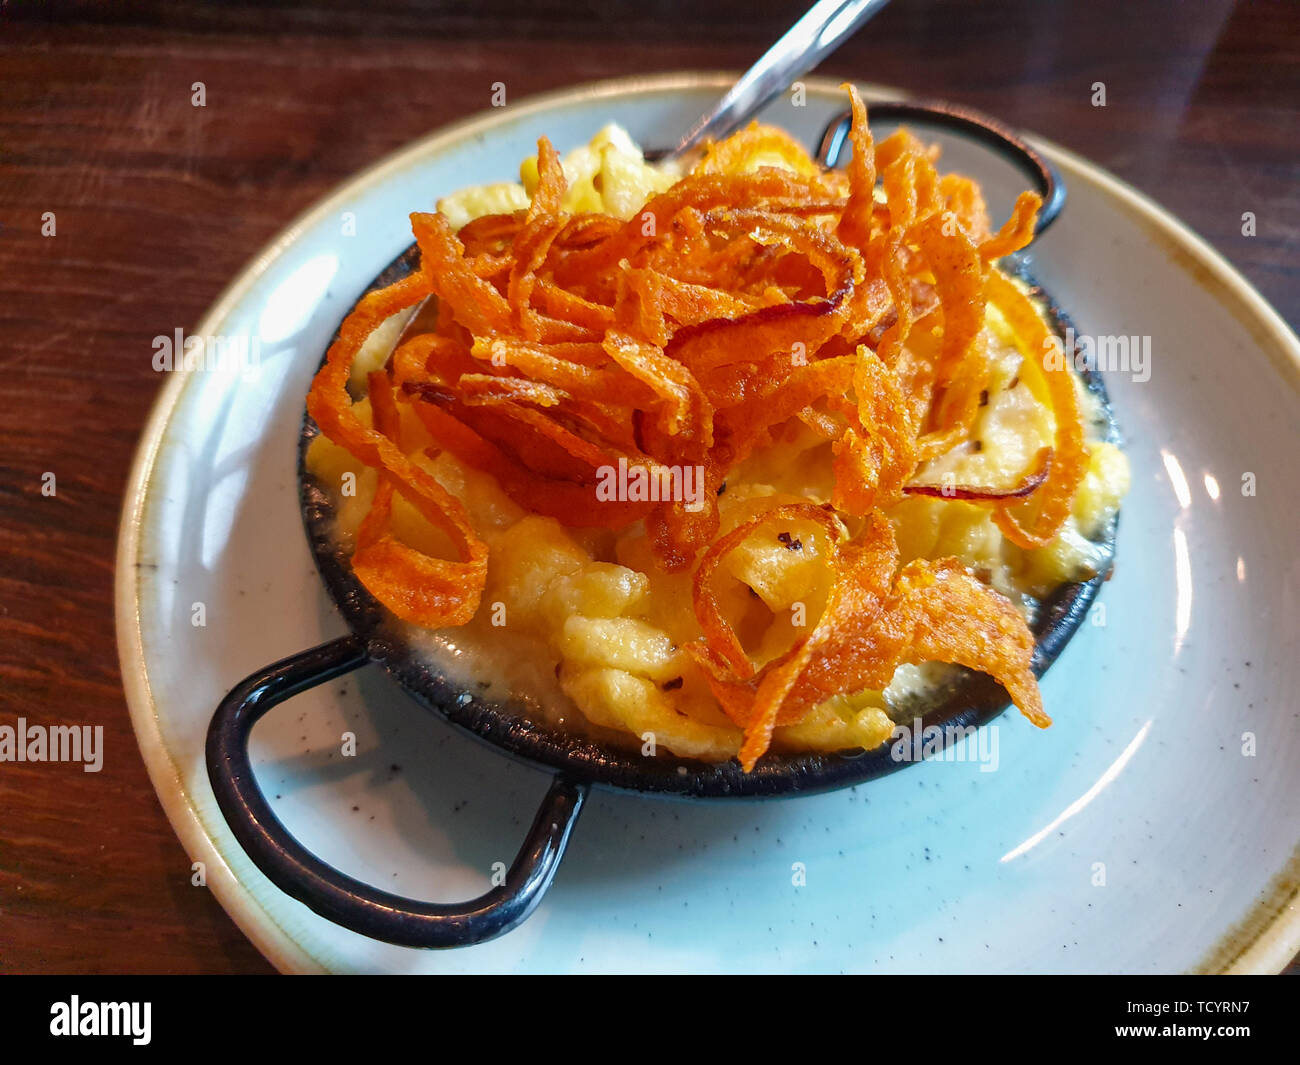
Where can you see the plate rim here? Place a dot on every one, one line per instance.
(1267, 951)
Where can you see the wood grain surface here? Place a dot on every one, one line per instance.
(159, 203)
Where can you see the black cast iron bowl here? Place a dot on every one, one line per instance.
(577, 762)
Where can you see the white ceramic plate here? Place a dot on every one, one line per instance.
(1134, 835)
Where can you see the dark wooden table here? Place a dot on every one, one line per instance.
(158, 203)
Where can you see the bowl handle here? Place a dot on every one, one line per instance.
(332, 894)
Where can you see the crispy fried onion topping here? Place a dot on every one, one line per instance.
(876, 617)
(742, 297)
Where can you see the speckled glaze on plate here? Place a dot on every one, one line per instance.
(1135, 835)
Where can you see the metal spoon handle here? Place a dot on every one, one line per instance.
(810, 40)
